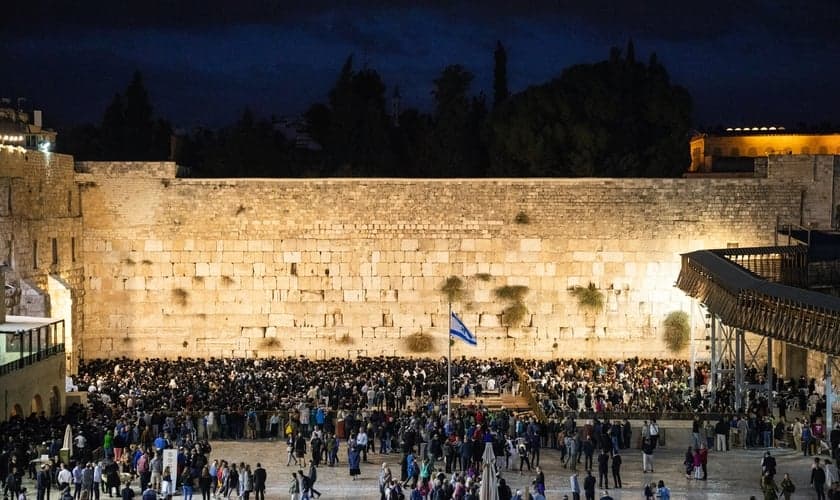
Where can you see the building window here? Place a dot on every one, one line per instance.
(54, 251)
(35, 254)
(73, 249)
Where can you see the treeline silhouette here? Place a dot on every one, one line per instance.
(614, 118)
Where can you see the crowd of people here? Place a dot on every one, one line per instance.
(630, 386)
(336, 411)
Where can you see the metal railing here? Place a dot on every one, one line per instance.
(23, 348)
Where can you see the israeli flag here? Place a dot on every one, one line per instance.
(458, 329)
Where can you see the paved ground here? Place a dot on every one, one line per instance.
(732, 475)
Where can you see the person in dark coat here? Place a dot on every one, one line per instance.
(603, 467)
(616, 470)
(589, 486)
(259, 482)
(353, 460)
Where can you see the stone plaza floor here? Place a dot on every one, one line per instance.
(731, 475)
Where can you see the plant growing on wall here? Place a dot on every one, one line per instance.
(516, 310)
(676, 331)
(453, 289)
(345, 339)
(522, 218)
(418, 342)
(589, 297)
(269, 342)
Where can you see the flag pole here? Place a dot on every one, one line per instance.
(449, 367)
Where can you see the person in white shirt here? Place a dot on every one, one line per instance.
(362, 442)
(65, 477)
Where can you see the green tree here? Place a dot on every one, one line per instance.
(615, 118)
(355, 129)
(454, 146)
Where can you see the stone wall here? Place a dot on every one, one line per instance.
(338, 267)
(41, 235)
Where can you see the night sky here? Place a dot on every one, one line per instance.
(745, 62)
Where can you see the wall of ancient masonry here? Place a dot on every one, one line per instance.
(41, 236)
(338, 267)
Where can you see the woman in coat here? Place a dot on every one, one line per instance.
(353, 460)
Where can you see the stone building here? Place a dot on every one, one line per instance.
(734, 150)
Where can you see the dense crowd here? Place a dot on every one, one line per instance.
(336, 411)
(631, 386)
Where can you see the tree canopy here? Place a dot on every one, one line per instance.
(614, 118)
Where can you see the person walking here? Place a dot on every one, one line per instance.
(589, 486)
(603, 467)
(818, 479)
(294, 487)
(575, 486)
(204, 483)
(769, 488)
(797, 434)
(42, 483)
(697, 462)
(721, 430)
(650, 491)
(662, 491)
(688, 462)
(647, 455)
(704, 460)
(259, 482)
(353, 460)
(654, 432)
(787, 486)
(616, 470)
(768, 465)
(313, 477)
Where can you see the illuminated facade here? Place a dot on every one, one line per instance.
(734, 149)
(19, 128)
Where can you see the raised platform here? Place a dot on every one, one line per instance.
(495, 401)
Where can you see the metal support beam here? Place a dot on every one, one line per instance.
(769, 375)
(715, 360)
(829, 394)
(739, 369)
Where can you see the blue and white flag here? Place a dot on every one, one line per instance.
(458, 329)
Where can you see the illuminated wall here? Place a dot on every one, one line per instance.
(338, 267)
(41, 236)
(705, 148)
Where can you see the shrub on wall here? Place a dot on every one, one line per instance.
(513, 314)
(589, 297)
(418, 342)
(516, 310)
(676, 331)
(453, 289)
(269, 342)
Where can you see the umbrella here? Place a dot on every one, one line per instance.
(68, 440)
(489, 488)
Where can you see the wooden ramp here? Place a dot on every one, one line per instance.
(495, 402)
